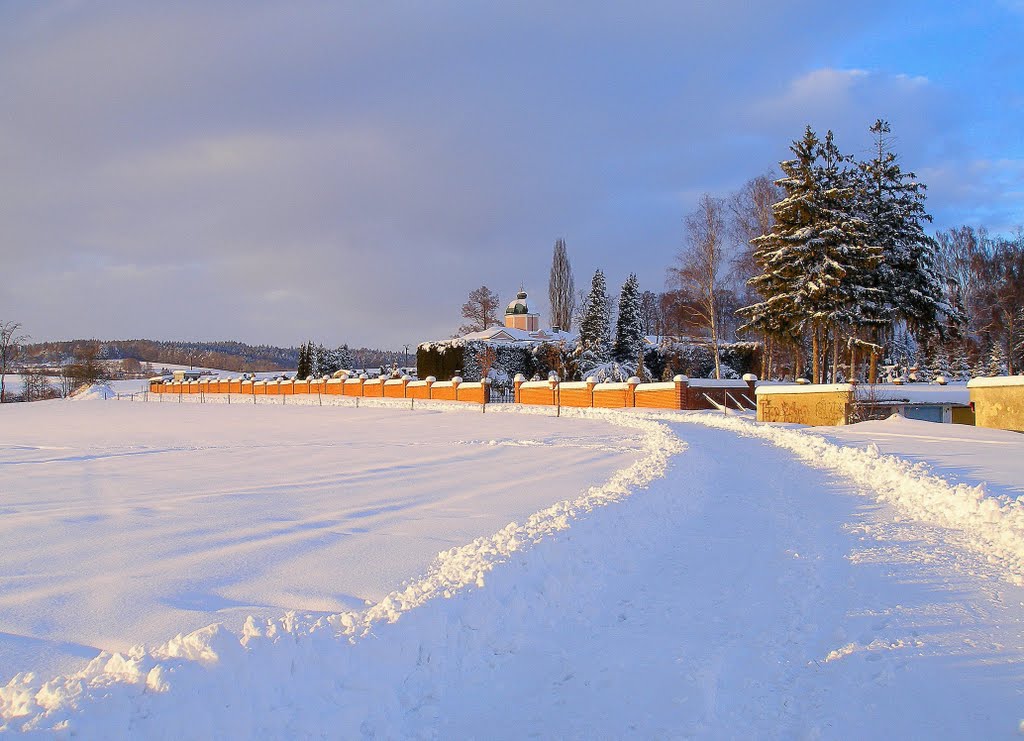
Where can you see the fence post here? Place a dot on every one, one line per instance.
(517, 393)
(633, 382)
(751, 380)
(556, 392)
(683, 391)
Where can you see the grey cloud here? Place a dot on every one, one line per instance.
(270, 172)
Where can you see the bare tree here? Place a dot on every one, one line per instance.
(66, 381)
(87, 369)
(579, 306)
(36, 384)
(561, 288)
(701, 266)
(485, 358)
(751, 216)
(480, 311)
(650, 313)
(11, 339)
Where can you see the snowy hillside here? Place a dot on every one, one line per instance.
(665, 575)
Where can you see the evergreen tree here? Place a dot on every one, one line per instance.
(925, 366)
(328, 362)
(996, 361)
(980, 368)
(320, 360)
(629, 337)
(346, 360)
(892, 204)
(595, 325)
(305, 366)
(942, 365)
(961, 367)
(816, 262)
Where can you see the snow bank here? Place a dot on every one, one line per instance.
(333, 664)
(806, 388)
(996, 381)
(991, 525)
(718, 383)
(95, 391)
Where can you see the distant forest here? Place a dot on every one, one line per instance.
(228, 356)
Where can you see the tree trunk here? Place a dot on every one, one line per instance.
(815, 357)
(835, 356)
(714, 346)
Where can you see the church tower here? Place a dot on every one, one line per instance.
(518, 316)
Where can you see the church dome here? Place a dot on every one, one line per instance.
(519, 305)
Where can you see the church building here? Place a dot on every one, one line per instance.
(521, 325)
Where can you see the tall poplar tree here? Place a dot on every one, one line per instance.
(561, 288)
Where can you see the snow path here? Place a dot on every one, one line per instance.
(742, 593)
(989, 524)
(740, 597)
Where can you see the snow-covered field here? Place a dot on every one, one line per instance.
(668, 574)
(126, 523)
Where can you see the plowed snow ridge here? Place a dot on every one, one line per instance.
(992, 526)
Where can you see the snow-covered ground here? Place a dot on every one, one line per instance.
(705, 576)
(125, 523)
(972, 455)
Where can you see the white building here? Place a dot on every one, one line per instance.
(521, 326)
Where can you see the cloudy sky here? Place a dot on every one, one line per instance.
(348, 172)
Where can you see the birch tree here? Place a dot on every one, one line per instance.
(701, 267)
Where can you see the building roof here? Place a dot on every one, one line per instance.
(519, 305)
(510, 334)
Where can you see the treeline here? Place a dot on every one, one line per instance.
(500, 362)
(984, 333)
(236, 357)
(230, 356)
(830, 268)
